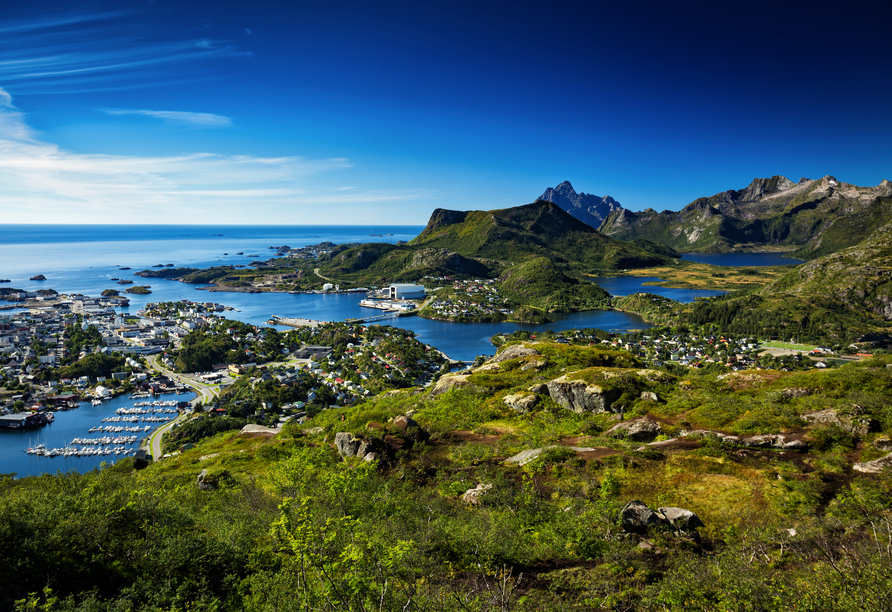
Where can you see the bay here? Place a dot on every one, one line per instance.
(742, 259)
(627, 285)
(68, 424)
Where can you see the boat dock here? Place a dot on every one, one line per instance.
(390, 314)
(292, 322)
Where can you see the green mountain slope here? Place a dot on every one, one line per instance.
(541, 229)
(540, 282)
(810, 218)
(840, 297)
(860, 278)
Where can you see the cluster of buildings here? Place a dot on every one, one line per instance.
(32, 339)
(469, 299)
(32, 344)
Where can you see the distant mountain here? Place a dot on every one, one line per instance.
(811, 218)
(588, 208)
(541, 229)
(538, 254)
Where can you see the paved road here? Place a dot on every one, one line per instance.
(205, 392)
(316, 272)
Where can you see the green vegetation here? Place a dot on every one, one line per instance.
(110, 293)
(539, 282)
(834, 299)
(809, 220)
(166, 272)
(226, 341)
(139, 290)
(285, 523)
(96, 364)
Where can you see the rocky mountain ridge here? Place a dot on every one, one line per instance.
(540, 229)
(810, 218)
(588, 208)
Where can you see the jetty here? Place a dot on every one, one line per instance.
(390, 314)
(292, 322)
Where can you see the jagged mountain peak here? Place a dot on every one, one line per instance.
(586, 207)
(763, 186)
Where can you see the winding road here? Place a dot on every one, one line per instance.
(205, 393)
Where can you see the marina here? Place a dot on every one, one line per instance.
(84, 438)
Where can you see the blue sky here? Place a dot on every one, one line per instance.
(358, 112)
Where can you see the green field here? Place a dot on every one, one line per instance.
(790, 347)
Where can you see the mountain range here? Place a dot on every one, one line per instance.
(809, 219)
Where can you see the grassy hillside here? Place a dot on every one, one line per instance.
(812, 218)
(442, 518)
(540, 229)
(540, 282)
(858, 278)
(837, 298)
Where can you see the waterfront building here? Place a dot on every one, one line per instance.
(406, 291)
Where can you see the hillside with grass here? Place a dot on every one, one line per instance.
(809, 219)
(551, 477)
(839, 298)
(539, 282)
(541, 229)
(859, 278)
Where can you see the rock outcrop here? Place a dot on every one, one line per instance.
(409, 429)
(472, 497)
(761, 441)
(347, 444)
(874, 467)
(447, 382)
(579, 396)
(521, 402)
(531, 454)
(854, 425)
(883, 444)
(642, 430)
(514, 351)
(637, 518)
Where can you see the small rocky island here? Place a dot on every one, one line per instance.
(139, 289)
(39, 277)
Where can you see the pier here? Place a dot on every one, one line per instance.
(390, 314)
(293, 322)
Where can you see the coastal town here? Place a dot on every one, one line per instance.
(74, 348)
(61, 349)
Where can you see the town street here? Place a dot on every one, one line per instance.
(206, 393)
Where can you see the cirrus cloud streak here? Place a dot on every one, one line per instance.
(192, 119)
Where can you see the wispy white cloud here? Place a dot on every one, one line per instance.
(45, 183)
(74, 51)
(192, 119)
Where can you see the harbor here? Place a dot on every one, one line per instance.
(83, 439)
